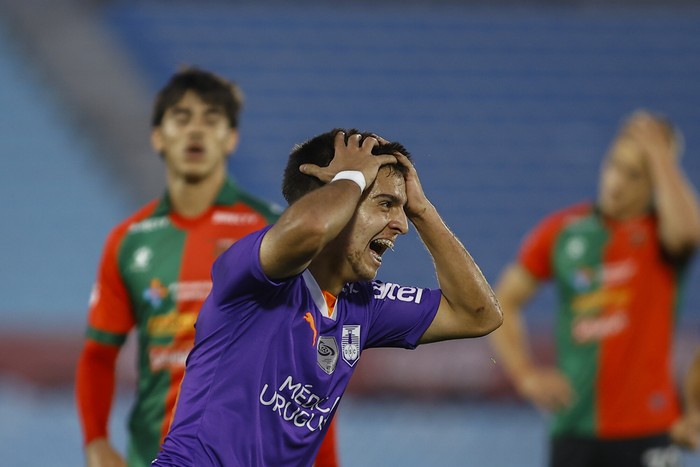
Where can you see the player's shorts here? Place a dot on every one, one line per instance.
(648, 451)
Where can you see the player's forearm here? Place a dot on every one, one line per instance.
(512, 346)
(515, 288)
(95, 380)
(691, 388)
(676, 203)
(318, 217)
(460, 279)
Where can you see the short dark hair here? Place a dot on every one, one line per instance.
(211, 88)
(320, 150)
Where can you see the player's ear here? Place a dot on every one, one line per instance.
(157, 139)
(232, 140)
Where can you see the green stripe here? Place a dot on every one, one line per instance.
(104, 337)
(230, 194)
(579, 250)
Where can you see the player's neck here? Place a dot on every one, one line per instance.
(326, 276)
(190, 199)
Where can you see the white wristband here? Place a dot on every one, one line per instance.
(353, 175)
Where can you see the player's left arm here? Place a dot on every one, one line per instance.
(468, 307)
(686, 430)
(676, 201)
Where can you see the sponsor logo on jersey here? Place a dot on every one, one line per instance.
(589, 329)
(618, 272)
(593, 302)
(172, 323)
(575, 247)
(168, 357)
(156, 293)
(297, 404)
(327, 353)
(223, 244)
(610, 274)
(234, 218)
(190, 291)
(149, 225)
(94, 295)
(141, 259)
(583, 278)
(309, 318)
(350, 343)
(387, 290)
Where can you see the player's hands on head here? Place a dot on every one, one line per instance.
(417, 203)
(547, 388)
(651, 134)
(99, 453)
(356, 154)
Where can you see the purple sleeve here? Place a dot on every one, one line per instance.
(237, 273)
(400, 315)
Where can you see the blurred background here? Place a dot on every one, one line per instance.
(507, 108)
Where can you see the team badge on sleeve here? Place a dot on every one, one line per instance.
(351, 343)
(327, 354)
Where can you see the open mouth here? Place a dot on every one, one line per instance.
(195, 150)
(379, 246)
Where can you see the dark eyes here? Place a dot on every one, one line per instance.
(210, 118)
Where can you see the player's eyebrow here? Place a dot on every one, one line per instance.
(392, 198)
(179, 110)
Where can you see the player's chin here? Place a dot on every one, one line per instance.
(369, 273)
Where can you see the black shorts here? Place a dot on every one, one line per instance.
(648, 451)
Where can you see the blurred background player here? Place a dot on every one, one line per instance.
(618, 266)
(155, 269)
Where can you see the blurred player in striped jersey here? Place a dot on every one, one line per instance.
(618, 266)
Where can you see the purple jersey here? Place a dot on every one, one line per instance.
(269, 365)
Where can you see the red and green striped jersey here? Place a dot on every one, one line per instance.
(154, 277)
(617, 301)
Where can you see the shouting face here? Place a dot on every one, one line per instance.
(378, 221)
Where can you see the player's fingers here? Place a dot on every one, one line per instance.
(354, 140)
(385, 159)
(380, 139)
(315, 171)
(403, 160)
(340, 138)
(369, 143)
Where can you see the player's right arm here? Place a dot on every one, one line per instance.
(315, 219)
(543, 386)
(109, 320)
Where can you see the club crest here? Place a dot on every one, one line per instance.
(351, 344)
(327, 354)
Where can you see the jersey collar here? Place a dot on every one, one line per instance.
(317, 295)
(228, 194)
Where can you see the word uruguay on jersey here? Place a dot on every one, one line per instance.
(296, 403)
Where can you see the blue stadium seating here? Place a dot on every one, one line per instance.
(57, 201)
(507, 111)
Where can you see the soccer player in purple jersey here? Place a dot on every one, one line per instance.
(293, 305)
